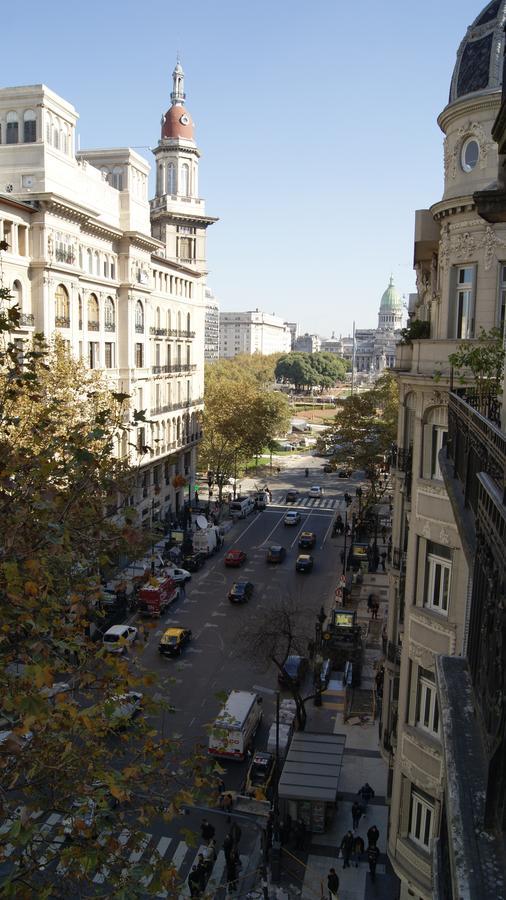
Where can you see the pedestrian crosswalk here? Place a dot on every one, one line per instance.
(308, 503)
(152, 850)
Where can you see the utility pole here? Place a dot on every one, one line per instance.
(353, 362)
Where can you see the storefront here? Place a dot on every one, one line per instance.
(309, 782)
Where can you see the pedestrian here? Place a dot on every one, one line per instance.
(346, 849)
(196, 498)
(231, 876)
(194, 882)
(201, 872)
(373, 836)
(380, 675)
(228, 802)
(372, 858)
(356, 814)
(228, 845)
(383, 561)
(389, 549)
(210, 856)
(358, 849)
(333, 884)
(384, 534)
(235, 833)
(374, 608)
(366, 793)
(207, 830)
(306, 472)
(370, 601)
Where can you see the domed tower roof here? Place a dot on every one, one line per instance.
(391, 301)
(479, 66)
(177, 122)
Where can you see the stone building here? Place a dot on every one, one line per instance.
(211, 327)
(307, 343)
(444, 477)
(122, 284)
(252, 332)
(375, 347)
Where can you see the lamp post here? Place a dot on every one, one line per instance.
(276, 842)
(235, 471)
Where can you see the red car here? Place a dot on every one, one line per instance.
(235, 558)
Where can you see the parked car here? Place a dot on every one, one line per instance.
(241, 592)
(292, 517)
(235, 558)
(259, 776)
(117, 638)
(304, 563)
(180, 576)
(327, 468)
(315, 491)
(276, 553)
(173, 640)
(194, 561)
(345, 472)
(294, 670)
(307, 540)
(291, 496)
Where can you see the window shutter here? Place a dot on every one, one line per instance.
(427, 452)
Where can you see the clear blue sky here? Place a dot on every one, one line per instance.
(316, 122)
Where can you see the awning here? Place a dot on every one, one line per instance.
(312, 767)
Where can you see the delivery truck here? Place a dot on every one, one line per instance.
(206, 540)
(157, 595)
(234, 729)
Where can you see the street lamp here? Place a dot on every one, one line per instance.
(276, 843)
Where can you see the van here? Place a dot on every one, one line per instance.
(234, 729)
(260, 499)
(242, 507)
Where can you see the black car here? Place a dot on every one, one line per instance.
(291, 496)
(294, 670)
(194, 562)
(276, 553)
(241, 592)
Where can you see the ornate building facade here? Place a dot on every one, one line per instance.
(375, 347)
(448, 470)
(120, 279)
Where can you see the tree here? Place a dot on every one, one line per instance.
(240, 418)
(59, 425)
(271, 639)
(484, 359)
(365, 427)
(306, 370)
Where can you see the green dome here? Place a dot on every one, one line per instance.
(391, 301)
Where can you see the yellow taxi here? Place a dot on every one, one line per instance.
(173, 640)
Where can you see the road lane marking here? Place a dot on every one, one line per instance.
(331, 525)
(239, 539)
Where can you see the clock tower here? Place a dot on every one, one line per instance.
(177, 213)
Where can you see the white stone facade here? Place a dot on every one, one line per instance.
(81, 261)
(212, 328)
(252, 332)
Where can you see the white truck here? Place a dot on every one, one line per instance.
(206, 540)
(242, 507)
(234, 729)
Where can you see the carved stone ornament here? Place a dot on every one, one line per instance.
(464, 245)
(420, 778)
(451, 156)
(444, 247)
(421, 655)
(426, 530)
(444, 537)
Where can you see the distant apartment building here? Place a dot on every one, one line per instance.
(252, 332)
(307, 343)
(211, 327)
(294, 332)
(332, 345)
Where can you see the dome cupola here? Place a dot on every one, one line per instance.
(177, 122)
(479, 66)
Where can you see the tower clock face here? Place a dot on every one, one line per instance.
(184, 119)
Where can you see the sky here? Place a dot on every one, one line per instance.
(316, 122)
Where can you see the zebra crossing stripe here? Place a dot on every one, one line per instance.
(104, 872)
(217, 874)
(184, 891)
(159, 852)
(179, 855)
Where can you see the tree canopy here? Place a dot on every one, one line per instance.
(60, 751)
(307, 370)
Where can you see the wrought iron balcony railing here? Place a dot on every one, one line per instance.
(475, 444)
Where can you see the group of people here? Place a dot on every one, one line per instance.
(201, 871)
(352, 846)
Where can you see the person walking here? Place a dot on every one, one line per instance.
(358, 849)
(356, 814)
(210, 856)
(333, 884)
(366, 793)
(383, 561)
(375, 608)
(201, 873)
(228, 802)
(228, 845)
(373, 836)
(194, 882)
(207, 830)
(346, 848)
(372, 858)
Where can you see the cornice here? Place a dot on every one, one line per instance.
(476, 103)
(453, 206)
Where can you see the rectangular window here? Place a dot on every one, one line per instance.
(109, 355)
(139, 355)
(93, 358)
(420, 820)
(427, 713)
(437, 580)
(29, 131)
(12, 133)
(439, 438)
(464, 302)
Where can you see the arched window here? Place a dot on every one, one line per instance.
(80, 311)
(49, 127)
(93, 313)
(159, 174)
(12, 135)
(109, 314)
(139, 317)
(170, 184)
(96, 258)
(62, 304)
(63, 141)
(29, 126)
(17, 294)
(169, 321)
(188, 322)
(179, 321)
(157, 317)
(56, 134)
(185, 180)
(89, 260)
(80, 256)
(106, 267)
(117, 178)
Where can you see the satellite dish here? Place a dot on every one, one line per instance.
(202, 522)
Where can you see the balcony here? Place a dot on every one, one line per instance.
(178, 367)
(426, 357)
(66, 255)
(93, 325)
(139, 329)
(26, 319)
(475, 443)
(186, 334)
(62, 322)
(158, 332)
(110, 326)
(401, 458)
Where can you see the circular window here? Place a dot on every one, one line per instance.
(470, 154)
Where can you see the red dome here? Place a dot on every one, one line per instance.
(177, 123)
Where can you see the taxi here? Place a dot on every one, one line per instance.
(258, 782)
(173, 640)
(304, 563)
(307, 540)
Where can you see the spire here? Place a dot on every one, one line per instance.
(178, 95)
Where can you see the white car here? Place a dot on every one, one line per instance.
(117, 637)
(122, 708)
(180, 576)
(315, 491)
(292, 517)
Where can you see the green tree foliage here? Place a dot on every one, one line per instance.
(241, 417)
(307, 370)
(59, 425)
(366, 426)
(481, 359)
